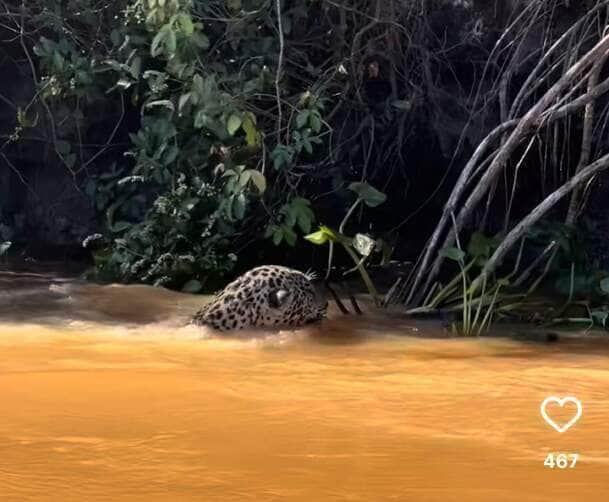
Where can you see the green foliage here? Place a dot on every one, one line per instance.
(296, 213)
(481, 247)
(194, 184)
(478, 305)
(453, 253)
(323, 235)
(360, 247)
(368, 194)
(572, 271)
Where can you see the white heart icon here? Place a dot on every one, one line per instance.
(561, 402)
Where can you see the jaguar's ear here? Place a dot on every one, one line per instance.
(277, 298)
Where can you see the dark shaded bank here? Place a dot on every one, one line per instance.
(44, 204)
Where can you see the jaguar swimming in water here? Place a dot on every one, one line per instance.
(270, 295)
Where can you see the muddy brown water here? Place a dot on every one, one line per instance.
(107, 394)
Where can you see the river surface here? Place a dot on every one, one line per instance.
(107, 394)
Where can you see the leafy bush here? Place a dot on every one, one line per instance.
(229, 104)
(195, 185)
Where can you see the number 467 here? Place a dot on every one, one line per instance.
(561, 460)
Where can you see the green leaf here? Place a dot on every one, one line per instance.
(289, 236)
(370, 195)
(278, 236)
(307, 146)
(165, 103)
(282, 156)
(136, 67)
(185, 24)
(184, 99)
(233, 5)
(239, 206)
(604, 284)
(198, 85)
(170, 155)
(156, 47)
(201, 119)
(481, 246)
(323, 235)
(164, 42)
(171, 43)
(252, 136)
(298, 211)
(58, 61)
(244, 178)
(233, 125)
(453, 253)
(192, 286)
(315, 121)
(302, 118)
(190, 203)
(258, 180)
(318, 237)
(200, 40)
(270, 230)
(305, 219)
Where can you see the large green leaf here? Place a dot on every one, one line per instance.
(481, 246)
(370, 195)
(318, 237)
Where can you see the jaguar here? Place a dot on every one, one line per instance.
(266, 296)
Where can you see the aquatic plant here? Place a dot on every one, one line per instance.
(360, 247)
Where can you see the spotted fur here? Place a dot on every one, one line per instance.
(270, 295)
